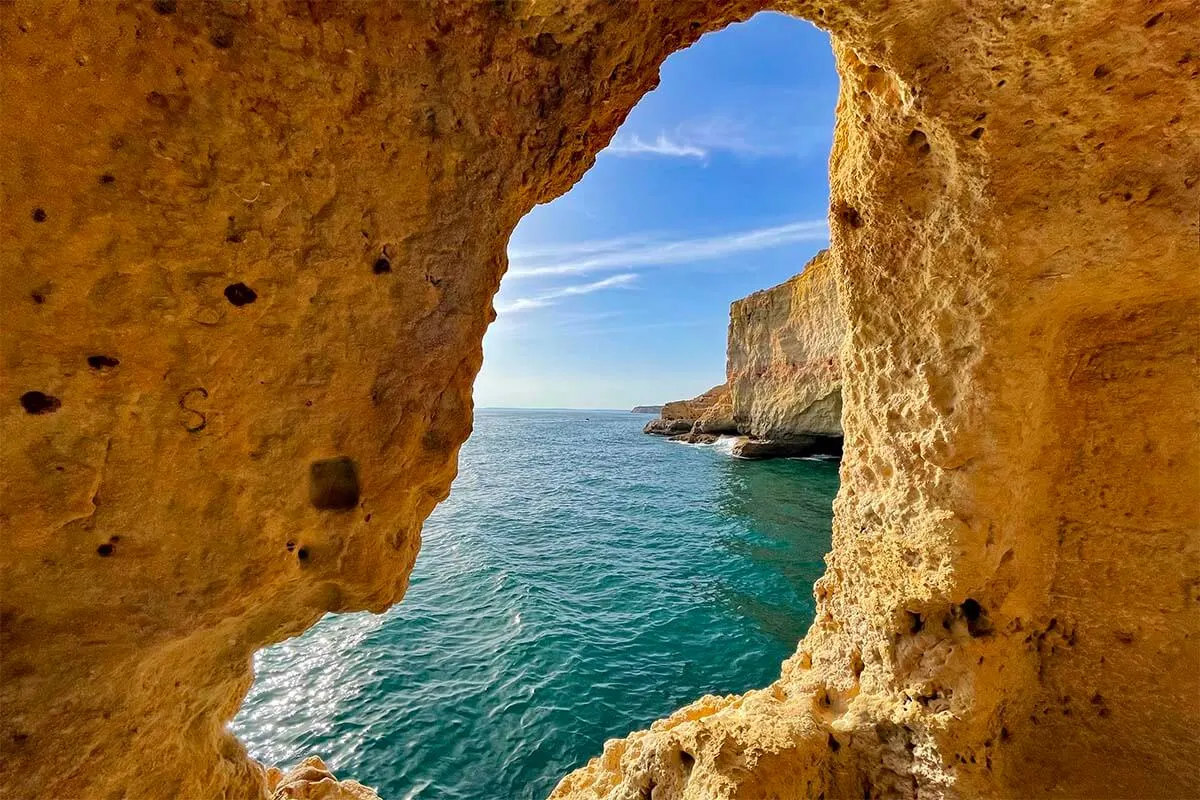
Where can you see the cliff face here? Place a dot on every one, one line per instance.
(784, 387)
(248, 255)
(784, 359)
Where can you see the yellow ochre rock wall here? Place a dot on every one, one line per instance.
(783, 356)
(248, 254)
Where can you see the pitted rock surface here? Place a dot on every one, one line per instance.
(281, 225)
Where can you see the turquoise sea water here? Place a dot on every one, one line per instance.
(581, 581)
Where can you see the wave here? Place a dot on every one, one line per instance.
(724, 445)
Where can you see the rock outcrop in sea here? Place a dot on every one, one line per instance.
(783, 394)
(709, 413)
(249, 255)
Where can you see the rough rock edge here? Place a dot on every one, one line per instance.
(1012, 225)
(312, 780)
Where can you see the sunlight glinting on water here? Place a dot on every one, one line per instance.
(564, 595)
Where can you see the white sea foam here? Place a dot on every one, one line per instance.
(724, 444)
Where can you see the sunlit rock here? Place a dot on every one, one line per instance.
(784, 357)
(284, 223)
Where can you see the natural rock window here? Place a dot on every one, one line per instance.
(1018, 398)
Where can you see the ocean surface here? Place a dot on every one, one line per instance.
(581, 581)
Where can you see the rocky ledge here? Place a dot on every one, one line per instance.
(312, 780)
(709, 413)
(792, 447)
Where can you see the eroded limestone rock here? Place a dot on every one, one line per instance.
(240, 239)
(784, 368)
(791, 447)
(710, 413)
(784, 383)
(312, 780)
(698, 406)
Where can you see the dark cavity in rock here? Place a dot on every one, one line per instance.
(976, 617)
(102, 362)
(39, 403)
(333, 484)
(240, 294)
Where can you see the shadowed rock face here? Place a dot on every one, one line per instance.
(243, 239)
(667, 427)
(797, 446)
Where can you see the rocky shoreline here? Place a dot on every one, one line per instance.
(782, 397)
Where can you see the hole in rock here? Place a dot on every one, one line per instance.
(39, 215)
(971, 609)
(102, 362)
(850, 216)
(240, 294)
(39, 403)
(599, 578)
(333, 486)
(978, 623)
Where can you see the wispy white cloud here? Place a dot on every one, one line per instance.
(737, 135)
(662, 146)
(562, 249)
(567, 261)
(569, 325)
(548, 298)
(776, 138)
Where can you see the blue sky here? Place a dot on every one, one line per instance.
(617, 293)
